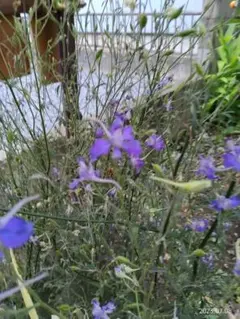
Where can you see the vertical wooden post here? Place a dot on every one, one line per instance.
(69, 73)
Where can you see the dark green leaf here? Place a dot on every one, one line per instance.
(99, 55)
(186, 33)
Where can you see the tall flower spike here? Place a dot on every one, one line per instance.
(207, 167)
(231, 159)
(224, 203)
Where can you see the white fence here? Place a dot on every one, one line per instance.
(121, 30)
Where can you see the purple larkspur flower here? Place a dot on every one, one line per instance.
(118, 269)
(236, 269)
(112, 192)
(156, 142)
(199, 225)
(88, 173)
(119, 138)
(137, 164)
(224, 203)
(208, 260)
(56, 172)
(231, 159)
(207, 167)
(16, 232)
(102, 312)
(125, 116)
(99, 132)
(164, 82)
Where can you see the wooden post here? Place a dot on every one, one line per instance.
(69, 73)
(56, 53)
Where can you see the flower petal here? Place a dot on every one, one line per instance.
(99, 148)
(16, 232)
(116, 153)
(137, 163)
(117, 123)
(133, 148)
(231, 161)
(74, 183)
(128, 133)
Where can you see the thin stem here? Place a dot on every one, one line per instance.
(210, 231)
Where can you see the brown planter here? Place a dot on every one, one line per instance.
(14, 61)
(11, 7)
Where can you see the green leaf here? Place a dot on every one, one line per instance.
(10, 136)
(199, 253)
(157, 169)
(173, 13)
(167, 53)
(199, 69)
(186, 33)
(59, 5)
(142, 19)
(192, 186)
(99, 55)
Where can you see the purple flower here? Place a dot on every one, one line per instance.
(16, 232)
(164, 82)
(119, 139)
(99, 312)
(118, 269)
(99, 132)
(207, 167)
(208, 260)
(137, 163)
(231, 159)
(236, 269)
(88, 173)
(199, 225)
(224, 203)
(125, 116)
(55, 172)
(112, 192)
(1, 256)
(156, 142)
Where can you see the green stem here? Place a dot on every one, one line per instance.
(210, 231)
